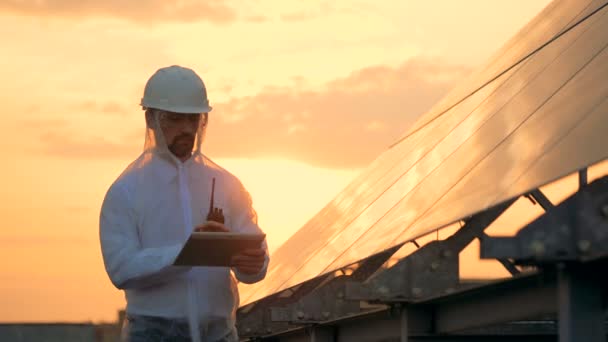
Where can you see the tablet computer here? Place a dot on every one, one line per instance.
(215, 248)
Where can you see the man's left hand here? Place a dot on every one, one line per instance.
(250, 261)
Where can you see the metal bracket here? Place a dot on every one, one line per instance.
(582, 178)
(315, 301)
(430, 271)
(328, 300)
(323, 304)
(258, 321)
(537, 196)
(575, 230)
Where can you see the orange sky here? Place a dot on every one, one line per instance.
(317, 91)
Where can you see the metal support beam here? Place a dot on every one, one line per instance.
(575, 230)
(475, 225)
(423, 300)
(258, 320)
(324, 303)
(404, 325)
(322, 334)
(581, 307)
(506, 263)
(541, 199)
(491, 312)
(430, 271)
(582, 178)
(509, 266)
(517, 299)
(370, 265)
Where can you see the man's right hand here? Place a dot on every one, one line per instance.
(211, 226)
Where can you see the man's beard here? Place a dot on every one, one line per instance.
(182, 145)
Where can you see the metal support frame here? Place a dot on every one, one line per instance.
(257, 321)
(490, 312)
(405, 332)
(315, 301)
(568, 237)
(323, 304)
(581, 306)
(322, 334)
(575, 230)
(430, 271)
(540, 198)
(582, 178)
(421, 299)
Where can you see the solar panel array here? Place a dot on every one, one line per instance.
(539, 119)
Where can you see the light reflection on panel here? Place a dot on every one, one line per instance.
(478, 145)
(589, 136)
(315, 233)
(554, 19)
(410, 176)
(319, 234)
(361, 206)
(415, 150)
(495, 178)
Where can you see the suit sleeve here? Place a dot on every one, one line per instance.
(127, 264)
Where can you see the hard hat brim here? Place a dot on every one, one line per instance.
(178, 109)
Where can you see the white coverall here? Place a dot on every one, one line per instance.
(146, 217)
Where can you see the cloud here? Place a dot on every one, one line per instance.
(298, 16)
(317, 10)
(345, 125)
(258, 18)
(106, 108)
(134, 10)
(72, 146)
(42, 124)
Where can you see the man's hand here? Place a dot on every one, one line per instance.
(211, 226)
(249, 261)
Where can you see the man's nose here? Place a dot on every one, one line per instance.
(188, 127)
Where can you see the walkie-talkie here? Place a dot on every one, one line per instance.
(215, 214)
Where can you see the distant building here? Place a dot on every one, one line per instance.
(48, 332)
(61, 332)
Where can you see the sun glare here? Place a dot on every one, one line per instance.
(287, 193)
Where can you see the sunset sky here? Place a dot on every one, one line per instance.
(305, 95)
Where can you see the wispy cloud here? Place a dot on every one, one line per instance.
(74, 146)
(316, 10)
(216, 11)
(107, 108)
(346, 124)
(42, 124)
(298, 16)
(258, 18)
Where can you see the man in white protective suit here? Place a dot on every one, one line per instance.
(152, 208)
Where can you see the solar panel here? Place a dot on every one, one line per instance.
(481, 172)
(494, 145)
(371, 186)
(552, 21)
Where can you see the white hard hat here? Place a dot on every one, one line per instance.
(176, 89)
